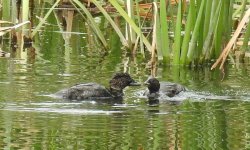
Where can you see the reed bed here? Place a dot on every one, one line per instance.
(183, 32)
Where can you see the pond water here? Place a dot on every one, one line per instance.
(213, 114)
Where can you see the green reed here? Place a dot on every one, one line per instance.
(188, 28)
(116, 28)
(246, 39)
(200, 30)
(207, 28)
(195, 34)
(25, 17)
(131, 22)
(164, 32)
(177, 35)
(6, 9)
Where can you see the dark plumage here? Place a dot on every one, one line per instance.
(94, 91)
(155, 88)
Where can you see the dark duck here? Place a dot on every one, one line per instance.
(156, 88)
(94, 91)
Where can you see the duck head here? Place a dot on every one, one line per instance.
(120, 81)
(153, 85)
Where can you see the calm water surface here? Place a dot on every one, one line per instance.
(212, 114)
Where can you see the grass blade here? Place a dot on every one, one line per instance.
(246, 38)
(227, 49)
(116, 28)
(177, 35)
(131, 22)
(194, 38)
(92, 23)
(43, 20)
(164, 32)
(213, 25)
(188, 29)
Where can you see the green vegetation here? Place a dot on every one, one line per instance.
(200, 29)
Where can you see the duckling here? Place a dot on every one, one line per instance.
(155, 88)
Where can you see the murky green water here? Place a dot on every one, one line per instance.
(212, 114)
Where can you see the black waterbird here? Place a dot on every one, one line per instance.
(156, 88)
(94, 91)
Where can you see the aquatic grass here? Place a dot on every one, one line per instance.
(243, 7)
(207, 34)
(187, 35)
(240, 11)
(42, 21)
(6, 10)
(25, 17)
(130, 34)
(164, 32)
(158, 32)
(213, 23)
(228, 20)
(69, 21)
(3, 21)
(226, 50)
(4, 30)
(207, 25)
(14, 11)
(195, 35)
(131, 22)
(92, 23)
(246, 38)
(87, 13)
(207, 18)
(219, 30)
(25, 10)
(154, 38)
(60, 26)
(177, 36)
(137, 10)
(115, 27)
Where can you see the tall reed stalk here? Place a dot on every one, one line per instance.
(92, 23)
(42, 21)
(194, 38)
(116, 28)
(206, 50)
(25, 16)
(137, 10)
(218, 35)
(131, 22)
(6, 7)
(130, 34)
(207, 18)
(13, 11)
(164, 32)
(207, 26)
(246, 38)
(188, 30)
(177, 35)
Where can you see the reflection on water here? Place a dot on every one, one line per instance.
(212, 114)
(191, 124)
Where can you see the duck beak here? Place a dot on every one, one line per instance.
(134, 83)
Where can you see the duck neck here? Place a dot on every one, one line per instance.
(151, 92)
(116, 92)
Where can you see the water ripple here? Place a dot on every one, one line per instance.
(62, 108)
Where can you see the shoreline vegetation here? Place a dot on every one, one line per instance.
(175, 32)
